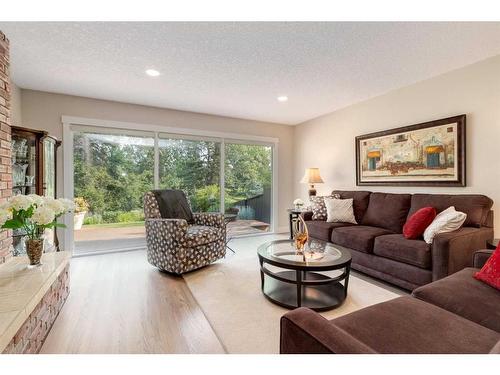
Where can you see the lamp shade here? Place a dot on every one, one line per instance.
(311, 176)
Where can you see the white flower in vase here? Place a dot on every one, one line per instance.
(298, 203)
(68, 204)
(20, 202)
(43, 215)
(36, 199)
(4, 216)
(55, 205)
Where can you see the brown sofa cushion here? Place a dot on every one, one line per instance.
(397, 247)
(360, 201)
(463, 295)
(477, 207)
(357, 237)
(387, 211)
(323, 230)
(407, 325)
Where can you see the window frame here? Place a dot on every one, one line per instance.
(73, 124)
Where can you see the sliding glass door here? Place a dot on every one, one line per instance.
(248, 176)
(112, 171)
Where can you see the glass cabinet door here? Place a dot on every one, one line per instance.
(49, 167)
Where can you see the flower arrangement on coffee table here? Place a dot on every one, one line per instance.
(33, 214)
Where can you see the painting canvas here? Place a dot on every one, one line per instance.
(432, 153)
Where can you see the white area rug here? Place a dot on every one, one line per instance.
(244, 320)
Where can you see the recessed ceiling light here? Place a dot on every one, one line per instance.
(282, 98)
(152, 73)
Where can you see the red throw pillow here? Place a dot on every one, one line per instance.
(417, 223)
(490, 273)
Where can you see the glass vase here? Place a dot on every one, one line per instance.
(34, 250)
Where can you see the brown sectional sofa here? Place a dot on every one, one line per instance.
(379, 248)
(457, 314)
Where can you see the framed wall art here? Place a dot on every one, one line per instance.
(427, 154)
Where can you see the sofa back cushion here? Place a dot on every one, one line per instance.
(477, 207)
(387, 211)
(360, 201)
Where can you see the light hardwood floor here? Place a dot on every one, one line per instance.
(121, 304)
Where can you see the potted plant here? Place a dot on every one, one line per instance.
(81, 209)
(33, 214)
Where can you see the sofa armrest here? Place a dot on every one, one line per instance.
(304, 331)
(307, 215)
(166, 228)
(480, 257)
(209, 219)
(453, 251)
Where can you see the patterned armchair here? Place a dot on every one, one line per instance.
(175, 246)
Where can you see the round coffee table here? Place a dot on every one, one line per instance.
(293, 281)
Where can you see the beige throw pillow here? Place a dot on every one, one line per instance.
(448, 220)
(339, 211)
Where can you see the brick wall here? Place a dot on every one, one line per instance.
(5, 138)
(31, 336)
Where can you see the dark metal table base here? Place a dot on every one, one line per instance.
(292, 289)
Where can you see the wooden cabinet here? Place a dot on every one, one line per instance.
(34, 161)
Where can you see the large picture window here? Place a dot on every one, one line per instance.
(113, 169)
(194, 167)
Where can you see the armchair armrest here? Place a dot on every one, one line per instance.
(304, 331)
(172, 228)
(307, 215)
(480, 257)
(209, 219)
(453, 251)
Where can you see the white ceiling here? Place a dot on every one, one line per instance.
(238, 69)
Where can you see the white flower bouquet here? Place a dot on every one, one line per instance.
(33, 214)
(298, 203)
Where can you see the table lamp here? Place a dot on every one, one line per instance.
(311, 176)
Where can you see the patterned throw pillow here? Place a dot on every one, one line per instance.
(490, 273)
(318, 207)
(339, 210)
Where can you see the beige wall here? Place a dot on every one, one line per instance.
(41, 110)
(328, 142)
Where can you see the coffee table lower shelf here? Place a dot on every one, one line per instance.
(320, 297)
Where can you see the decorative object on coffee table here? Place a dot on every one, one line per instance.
(427, 154)
(301, 235)
(311, 177)
(299, 280)
(33, 214)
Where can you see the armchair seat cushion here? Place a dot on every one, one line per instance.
(197, 235)
(397, 247)
(358, 237)
(463, 295)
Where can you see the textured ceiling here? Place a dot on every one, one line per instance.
(238, 69)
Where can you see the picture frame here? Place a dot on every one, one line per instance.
(432, 153)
